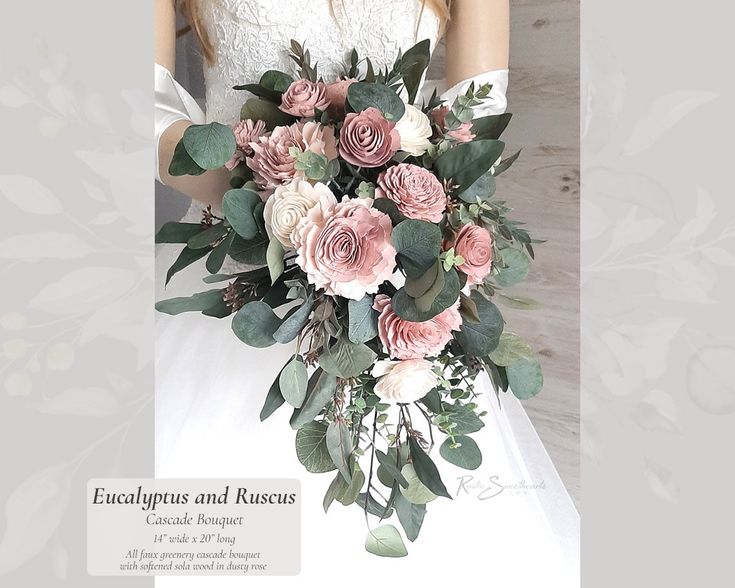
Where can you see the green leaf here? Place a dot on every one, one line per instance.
(320, 391)
(182, 164)
(336, 489)
(274, 257)
(385, 541)
(387, 206)
(490, 127)
(363, 320)
(238, 206)
(405, 306)
(255, 323)
(362, 95)
(510, 349)
(416, 492)
(185, 259)
(311, 448)
(425, 301)
(466, 162)
(411, 516)
(292, 382)
(346, 359)
(276, 81)
(352, 492)
(269, 113)
(339, 445)
(417, 244)
(273, 400)
(464, 418)
(467, 455)
(417, 287)
(481, 189)
(413, 65)
(207, 237)
(525, 378)
(479, 339)
(426, 470)
(196, 303)
(506, 163)
(293, 323)
(210, 145)
(388, 471)
(177, 232)
(252, 252)
(517, 268)
(219, 253)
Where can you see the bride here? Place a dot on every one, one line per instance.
(511, 521)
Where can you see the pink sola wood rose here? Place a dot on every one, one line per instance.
(462, 134)
(408, 340)
(417, 192)
(302, 97)
(367, 139)
(245, 132)
(271, 161)
(337, 96)
(475, 245)
(346, 249)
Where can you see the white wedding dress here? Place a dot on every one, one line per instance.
(512, 524)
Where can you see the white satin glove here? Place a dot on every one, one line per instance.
(495, 103)
(172, 103)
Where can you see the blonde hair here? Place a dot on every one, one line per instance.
(189, 8)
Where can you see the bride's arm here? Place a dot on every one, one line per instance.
(209, 187)
(477, 38)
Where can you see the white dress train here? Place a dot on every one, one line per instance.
(511, 522)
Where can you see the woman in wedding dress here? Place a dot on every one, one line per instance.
(511, 521)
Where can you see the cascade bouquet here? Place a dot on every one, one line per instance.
(379, 247)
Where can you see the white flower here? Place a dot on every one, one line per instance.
(415, 131)
(289, 204)
(404, 381)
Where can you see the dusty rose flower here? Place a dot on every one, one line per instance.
(247, 131)
(236, 158)
(271, 159)
(461, 134)
(288, 204)
(416, 191)
(475, 245)
(346, 249)
(303, 96)
(404, 381)
(367, 139)
(319, 139)
(408, 340)
(337, 95)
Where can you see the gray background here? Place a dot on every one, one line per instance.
(543, 187)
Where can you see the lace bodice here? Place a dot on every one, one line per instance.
(252, 36)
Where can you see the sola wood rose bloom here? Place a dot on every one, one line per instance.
(289, 204)
(417, 192)
(245, 132)
(367, 139)
(408, 340)
(303, 96)
(475, 245)
(404, 381)
(415, 131)
(337, 95)
(271, 160)
(346, 249)
(462, 134)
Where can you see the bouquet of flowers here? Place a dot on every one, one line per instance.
(379, 246)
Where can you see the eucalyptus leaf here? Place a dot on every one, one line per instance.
(410, 515)
(182, 164)
(525, 378)
(274, 257)
(196, 303)
(293, 381)
(255, 323)
(185, 259)
(491, 126)
(479, 339)
(292, 324)
(416, 492)
(506, 163)
(210, 145)
(238, 206)
(362, 95)
(177, 232)
(464, 419)
(219, 253)
(273, 400)
(463, 164)
(269, 113)
(335, 490)
(467, 455)
(426, 469)
(276, 81)
(417, 245)
(352, 492)
(518, 265)
(208, 236)
(319, 393)
(388, 472)
(373, 507)
(385, 541)
(252, 252)
(339, 445)
(363, 320)
(346, 359)
(481, 189)
(405, 306)
(413, 65)
(311, 448)
(510, 349)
